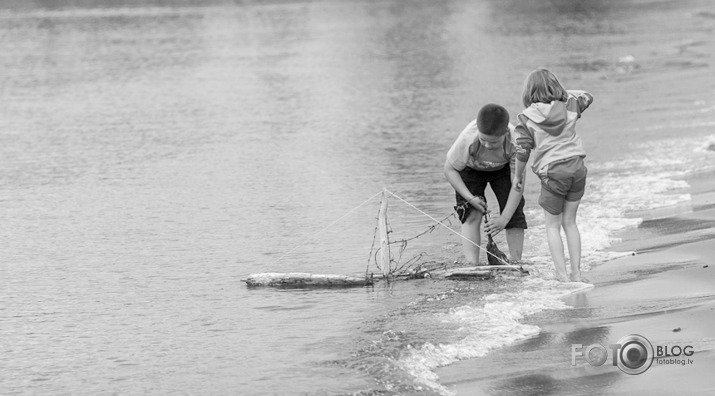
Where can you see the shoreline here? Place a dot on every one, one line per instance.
(664, 291)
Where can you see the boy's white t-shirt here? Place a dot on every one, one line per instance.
(459, 155)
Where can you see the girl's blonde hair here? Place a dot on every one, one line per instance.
(542, 86)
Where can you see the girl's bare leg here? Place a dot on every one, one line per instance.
(556, 245)
(573, 238)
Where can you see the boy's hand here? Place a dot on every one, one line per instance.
(495, 225)
(479, 204)
(518, 183)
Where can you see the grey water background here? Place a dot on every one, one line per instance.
(155, 153)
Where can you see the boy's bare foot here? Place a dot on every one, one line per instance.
(561, 276)
(575, 277)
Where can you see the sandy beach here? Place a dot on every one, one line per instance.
(663, 289)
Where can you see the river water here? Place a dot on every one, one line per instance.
(156, 153)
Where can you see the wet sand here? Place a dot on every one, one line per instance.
(663, 289)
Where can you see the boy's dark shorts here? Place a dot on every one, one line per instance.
(500, 181)
(564, 180)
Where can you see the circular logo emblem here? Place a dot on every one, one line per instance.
(635, 355)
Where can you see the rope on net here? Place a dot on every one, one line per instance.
(402, 242)
(327, 227)
(441, 223)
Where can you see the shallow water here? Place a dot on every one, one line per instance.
(155, 155)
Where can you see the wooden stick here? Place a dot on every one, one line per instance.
(491, 267)
(384, 241)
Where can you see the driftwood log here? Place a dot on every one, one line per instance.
(304, 279)
(475, 272)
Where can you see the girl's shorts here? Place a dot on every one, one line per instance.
(563, 180)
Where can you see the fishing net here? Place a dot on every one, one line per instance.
(399, 246)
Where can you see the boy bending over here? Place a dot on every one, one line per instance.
(485, 153)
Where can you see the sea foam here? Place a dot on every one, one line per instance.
(614, 190)
(492, 322)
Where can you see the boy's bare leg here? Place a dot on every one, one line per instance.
(515, 240)
(573, 238)
(556, 245)
(471, 229)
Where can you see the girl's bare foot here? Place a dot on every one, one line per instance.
(561, 276)
(583, 279)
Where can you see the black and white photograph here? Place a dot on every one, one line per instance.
(357, 197)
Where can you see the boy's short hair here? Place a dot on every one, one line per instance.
(493, 120)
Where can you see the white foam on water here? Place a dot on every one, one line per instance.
(708, 145)
(490, 323)
(603, 213)
(649, 179)
(615, 189)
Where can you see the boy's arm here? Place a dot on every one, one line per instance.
(453, 177)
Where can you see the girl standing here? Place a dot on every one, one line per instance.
(548, 128)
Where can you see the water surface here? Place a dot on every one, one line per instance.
(156, 153)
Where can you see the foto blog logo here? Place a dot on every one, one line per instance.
(633, 354)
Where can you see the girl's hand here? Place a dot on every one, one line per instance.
(518, 183)
(495, 225)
